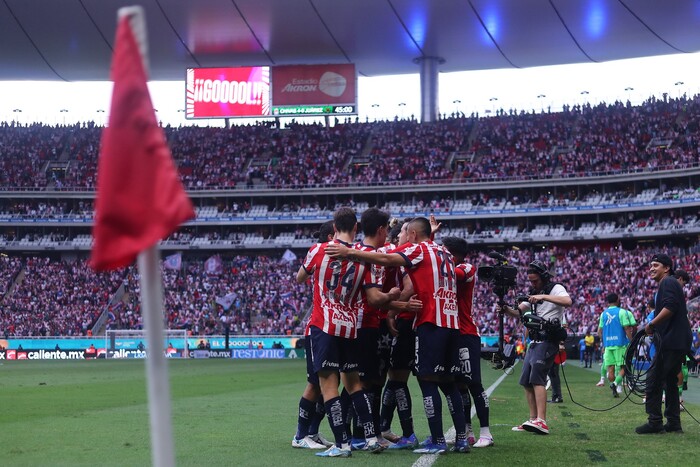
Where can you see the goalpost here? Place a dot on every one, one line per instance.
(133, 343)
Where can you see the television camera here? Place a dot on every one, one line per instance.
(540, 328)
(502, 278)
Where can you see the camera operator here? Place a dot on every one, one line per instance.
(546, 302)
(670, 325)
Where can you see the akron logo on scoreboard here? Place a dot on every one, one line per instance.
(332, 84)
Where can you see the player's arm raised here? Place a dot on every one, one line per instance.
(337, 250)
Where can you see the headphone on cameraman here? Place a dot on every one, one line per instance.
(539, 268)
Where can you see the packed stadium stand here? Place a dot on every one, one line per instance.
(591, 190)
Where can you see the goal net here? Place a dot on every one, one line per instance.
(133, 343)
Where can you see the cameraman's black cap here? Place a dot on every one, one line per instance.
(324, 231)
(663, 259)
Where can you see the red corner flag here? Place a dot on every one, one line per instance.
(140, 198)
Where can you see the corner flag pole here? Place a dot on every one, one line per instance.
(156, 364)
(162, 452)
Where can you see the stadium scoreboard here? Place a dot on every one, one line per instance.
(279, 91)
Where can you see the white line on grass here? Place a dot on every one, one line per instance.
(426, 460)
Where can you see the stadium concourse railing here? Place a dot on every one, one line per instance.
(483, 237)
(485, 182)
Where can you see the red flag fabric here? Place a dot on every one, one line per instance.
(140, 198)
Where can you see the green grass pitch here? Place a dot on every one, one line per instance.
(237, 412)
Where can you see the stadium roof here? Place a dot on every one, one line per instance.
(72, 40)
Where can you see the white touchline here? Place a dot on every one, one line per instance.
(426, 460)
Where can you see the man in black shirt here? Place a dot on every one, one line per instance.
(671, 325)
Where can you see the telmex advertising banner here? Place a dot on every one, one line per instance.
(313, 84)
(227, 92)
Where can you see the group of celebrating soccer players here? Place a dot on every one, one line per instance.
(393, 304)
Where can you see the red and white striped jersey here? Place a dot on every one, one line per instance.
(336, 286)
(432, 271)
(367, 315)
(393, 277)
(466, 279)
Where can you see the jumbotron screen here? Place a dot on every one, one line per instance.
(228, 92)
(281, 91)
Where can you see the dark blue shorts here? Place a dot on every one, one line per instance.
(332, 352)
(469, 359)
(437, 350)
(311, 375)
(368, 353)
(384, 347)
(403, 346)
(538, 360)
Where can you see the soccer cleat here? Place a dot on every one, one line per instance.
(335, 451)
(319, 438)
(471, 439)
(390, 436)
(613, 386)
(426, 441)
(484, 442)
(358, 444)
(431, 449)
(538, 426)
(601, 382)
(384, 442)
(619, 389)
(307, 442)
(461, 446)
(405, 443)
(374, 447)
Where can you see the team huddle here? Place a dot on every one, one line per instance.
(393, 304)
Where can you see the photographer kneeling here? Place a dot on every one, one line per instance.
(542, 312)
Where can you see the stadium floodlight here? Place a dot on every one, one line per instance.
(540, 97)
(678, 84)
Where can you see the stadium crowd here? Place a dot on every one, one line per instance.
(257, 295)
(252, 295)
(587, 140)
(53, 298)
(579, 141)
(42, 296)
